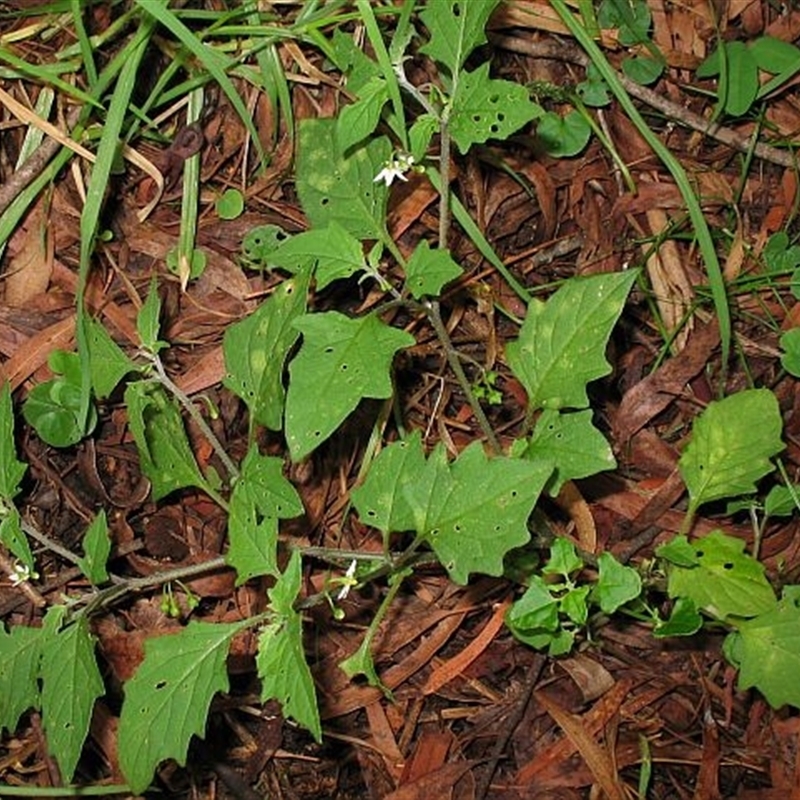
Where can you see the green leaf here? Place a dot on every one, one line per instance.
(341, 360)
(13, 538)
(572, 443)
(537, 609)
(165, 456)
(11, 469)
(724, 581)
(778, 255)
(420, 135)
(108, 362)
(732, 442)
(381, 500)
(790, 357)
(167, 700)
(563, 559)
(632, 17)
(281, 661)
(230, 204)
(335, 188)
(255, 351)
(359, 120)
(96, 549)
(742, 83)
(336, 253)
(71, 682)
(471, 512)
(457, 27)
(261, 496)
(594, 90)
(350, 59)
(680, 551)
(561, 346)
(485, 513)
(643, 70)
(429, 270)
(616, 583)
(483, 108)
(53, 408)
(781, 501)
(565, 136)
(148, 321)
(575, 604)
(685, 620)
(260, 242)
(196, 267)
(767, 651)
(774, 55)
(20, 653)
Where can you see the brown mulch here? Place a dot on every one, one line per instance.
(474, 712)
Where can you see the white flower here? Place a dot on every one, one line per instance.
(22, 572)
(395, 167)
(348, 582)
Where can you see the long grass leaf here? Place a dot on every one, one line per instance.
(213, 61)
(702, 232)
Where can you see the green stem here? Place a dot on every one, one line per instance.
(478, 239)
(181, 396)
(453, 359)
(124, 586)
(64, 791)
(716, 280)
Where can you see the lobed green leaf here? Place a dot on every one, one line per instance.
(167, 700)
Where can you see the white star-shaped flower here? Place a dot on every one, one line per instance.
(21, 574)
(395, 168)
(349, 581)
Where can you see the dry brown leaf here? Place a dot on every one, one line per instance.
(597, 758)
(671, 286)
(29, 260)
(590, 676)
(444, 673)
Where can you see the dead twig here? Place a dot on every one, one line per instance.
(561, 51)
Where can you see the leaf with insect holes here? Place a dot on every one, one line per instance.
(167, 700)
(336, 188)
(381, 499)
(572, 443)
(165, 456)
(471, 511)
(109, 364)
(255, 351)
(261, 496)
(281, 663)
(336, 253)
(71, 682)
(429, 270)
(717, 575)
(341, 361)
(20, 655)
(457, 27)
(766, 650)
(11, 469)
(732, 443)
(486, 108)
(561, 346)
(96, 549)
